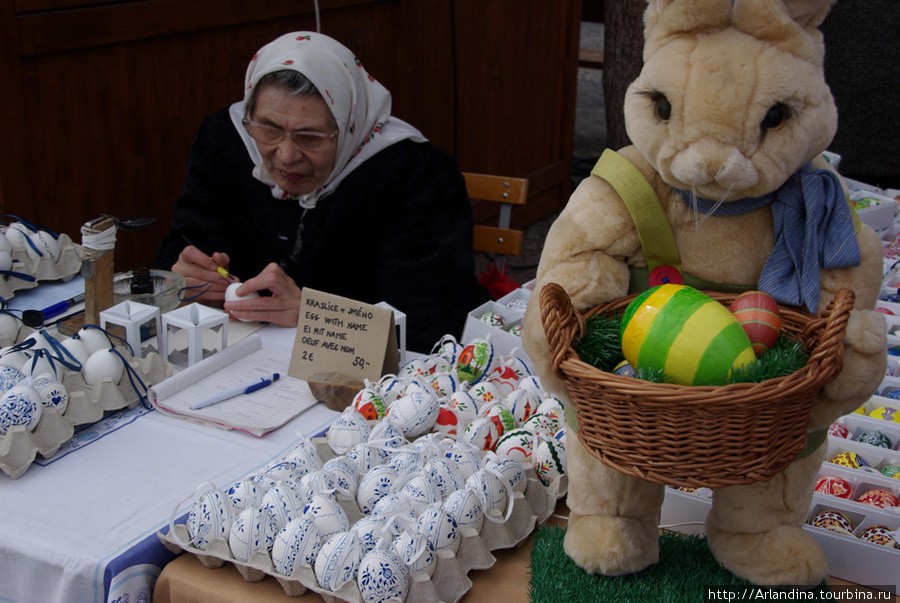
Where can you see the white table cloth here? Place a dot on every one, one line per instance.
(82, 529)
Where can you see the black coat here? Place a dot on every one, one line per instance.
(397, 229)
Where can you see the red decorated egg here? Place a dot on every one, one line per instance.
(833, 485)
(447, 421)
(879, 498)
(758, 313)
(838, 430)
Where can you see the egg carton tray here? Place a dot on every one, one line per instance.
(43, 268)
(447, 584)
(87, 404)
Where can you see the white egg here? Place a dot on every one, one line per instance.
(14, 359)
(77, 349)
(9, 326)
(21, 405)
(53, 394)
(17, 233)
(231, 295)
(45, 246)
(94, 339)
(102, 364)
(210, 518)
(252, 530)
(337, 560)
(5, 260)
(39, 362)
(42, 340)
(10, 376)
(297, 544)
(5, 245)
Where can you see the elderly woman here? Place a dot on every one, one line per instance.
(311, 182)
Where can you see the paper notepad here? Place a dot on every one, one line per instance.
(238, 364)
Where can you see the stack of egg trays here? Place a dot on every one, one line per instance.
(42, 268)
(851, 558)
(87, 404)
(447, 584)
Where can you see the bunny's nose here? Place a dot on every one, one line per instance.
(706, 162)
(737, 172)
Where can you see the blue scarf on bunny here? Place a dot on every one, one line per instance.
(813, 228)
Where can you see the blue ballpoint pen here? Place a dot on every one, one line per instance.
(237, 391)
(62, 306)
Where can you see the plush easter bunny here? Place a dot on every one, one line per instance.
(728, 119)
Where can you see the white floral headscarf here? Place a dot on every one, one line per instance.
(360, 105)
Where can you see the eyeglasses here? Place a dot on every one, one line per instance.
(310, 141)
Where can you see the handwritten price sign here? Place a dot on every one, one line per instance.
(341, 335)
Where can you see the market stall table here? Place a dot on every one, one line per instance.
(186, 580)
(81, 527)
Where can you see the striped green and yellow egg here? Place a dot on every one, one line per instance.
(685, 333)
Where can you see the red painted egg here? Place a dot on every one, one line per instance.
(758, 313)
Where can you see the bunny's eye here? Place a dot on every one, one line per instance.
(776, 117)
(662, 107)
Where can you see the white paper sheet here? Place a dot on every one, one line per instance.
(236, 365)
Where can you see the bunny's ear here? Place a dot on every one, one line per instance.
(664, 18)
(789, 24)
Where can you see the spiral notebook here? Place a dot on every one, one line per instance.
(244, 362)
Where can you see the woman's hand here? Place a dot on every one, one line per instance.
(281, 308)
(199, 271)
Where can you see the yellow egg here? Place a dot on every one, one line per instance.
(685, 333)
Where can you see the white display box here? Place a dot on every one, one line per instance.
(849, 558)
(504, 343)
(514, 300)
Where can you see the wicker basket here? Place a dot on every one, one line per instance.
(694, 436)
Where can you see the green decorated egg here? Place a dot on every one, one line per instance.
(685, 333)
(475, 361)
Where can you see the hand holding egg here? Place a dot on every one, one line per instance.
(282, 307)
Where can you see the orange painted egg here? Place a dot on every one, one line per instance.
(758, 313)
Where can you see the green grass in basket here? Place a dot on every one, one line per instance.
(685, 570)
(601, 347)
